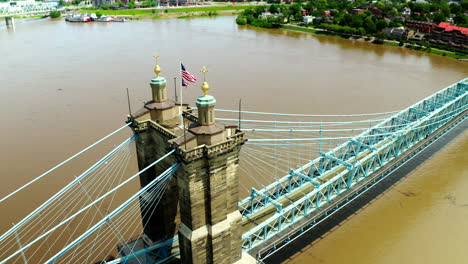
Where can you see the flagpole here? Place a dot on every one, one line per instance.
(181, 93)
(175, 90)
(181, 109)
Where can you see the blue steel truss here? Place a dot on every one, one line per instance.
(341, 168)
(26, 8)
(158, 253)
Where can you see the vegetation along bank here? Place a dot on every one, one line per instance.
(435, 27)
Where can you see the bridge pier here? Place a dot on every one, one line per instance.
(10, 21)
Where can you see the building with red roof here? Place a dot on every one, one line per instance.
(448, 34)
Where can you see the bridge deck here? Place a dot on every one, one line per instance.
(346, 197)
(252, 220)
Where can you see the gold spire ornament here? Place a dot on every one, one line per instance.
(157, 69)
(205, 87)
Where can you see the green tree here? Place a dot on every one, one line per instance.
(392, 12)
(338, 16)
(98, 14)
(369, 25)
(296, 11)
(145, 4)
(55, 14)
(381, 24)
(445, 9)
(354, 21)
(273, 9)
(455, 8)
(380, 5)
(333, 5)
(433, 7)
(460, 19)
(394, 23)
(361, 31)
(257, 11)
(464, 5)
(287, 14)
(131, 5)
(439, 17)
(346, 20)
(241, 20)
(421, 8)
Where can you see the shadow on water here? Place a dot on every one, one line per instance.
(340, 217)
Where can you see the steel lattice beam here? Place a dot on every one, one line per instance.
(406, 136)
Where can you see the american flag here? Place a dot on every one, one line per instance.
(186, 76)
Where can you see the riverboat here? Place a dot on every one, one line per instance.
(93, 17)
(77, 18)
(105, 19)
(116, 19)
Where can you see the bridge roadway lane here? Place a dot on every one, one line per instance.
(407, 161)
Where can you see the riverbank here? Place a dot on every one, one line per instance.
(172, 12)
(393, 43)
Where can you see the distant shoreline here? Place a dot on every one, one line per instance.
(385, 42)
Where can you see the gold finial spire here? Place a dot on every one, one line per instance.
(157, 69)
(205, 87)
(204, 70)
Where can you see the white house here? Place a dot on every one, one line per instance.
(406, 11)
(308, 19)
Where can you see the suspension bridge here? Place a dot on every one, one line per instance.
(183, 202)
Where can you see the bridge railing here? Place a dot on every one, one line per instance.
(358, 158)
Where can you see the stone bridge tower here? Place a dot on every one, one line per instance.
(201, 204)
(155, 124)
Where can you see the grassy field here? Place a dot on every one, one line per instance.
(450, 54)
(206, 9)
(391, 43)
(315, 31)
(129, 12)
(301, 29)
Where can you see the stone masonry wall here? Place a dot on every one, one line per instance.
(208, 202)
(162, 223)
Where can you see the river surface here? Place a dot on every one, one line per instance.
(62, 87)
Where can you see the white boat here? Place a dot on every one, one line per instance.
(77, 18)
(73, 18)
(93, 17)
(105, 19)
(85, 18)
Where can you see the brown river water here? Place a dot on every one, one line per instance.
(62, 87)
